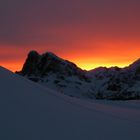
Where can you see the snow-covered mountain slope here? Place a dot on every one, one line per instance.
(66, 78)
(56, 73)
(117, 83)
(29, 111)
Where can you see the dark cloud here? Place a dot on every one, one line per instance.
(45, 21)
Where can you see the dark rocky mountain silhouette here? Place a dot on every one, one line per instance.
(56, 73)
(64, 76)
(41, 65)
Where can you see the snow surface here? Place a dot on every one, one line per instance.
(29, 111)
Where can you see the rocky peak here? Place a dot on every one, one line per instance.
(42, 65)
(30, 63)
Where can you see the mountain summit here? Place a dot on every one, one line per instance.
(65, 77)
(56, 73)
(42, 65)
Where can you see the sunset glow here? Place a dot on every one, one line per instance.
(108, 55)
(88, 33)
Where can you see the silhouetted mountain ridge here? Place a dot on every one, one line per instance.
(41, 65)
(67, 78)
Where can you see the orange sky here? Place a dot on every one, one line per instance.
(86, 32)
(108, 53)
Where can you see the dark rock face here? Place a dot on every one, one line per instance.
(42, 65)
(29, 67)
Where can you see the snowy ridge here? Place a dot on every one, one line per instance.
(56, 73)
(32, 112)
(66, 78)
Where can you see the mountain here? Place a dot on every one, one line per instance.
(41, 65)
(56, 73)
(117, 83)
(66, 78)
(30, 111)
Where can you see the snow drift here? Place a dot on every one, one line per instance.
(29, 111)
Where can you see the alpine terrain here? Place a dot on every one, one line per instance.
(66, 78)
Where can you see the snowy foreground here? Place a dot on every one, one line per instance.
(29, 111)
